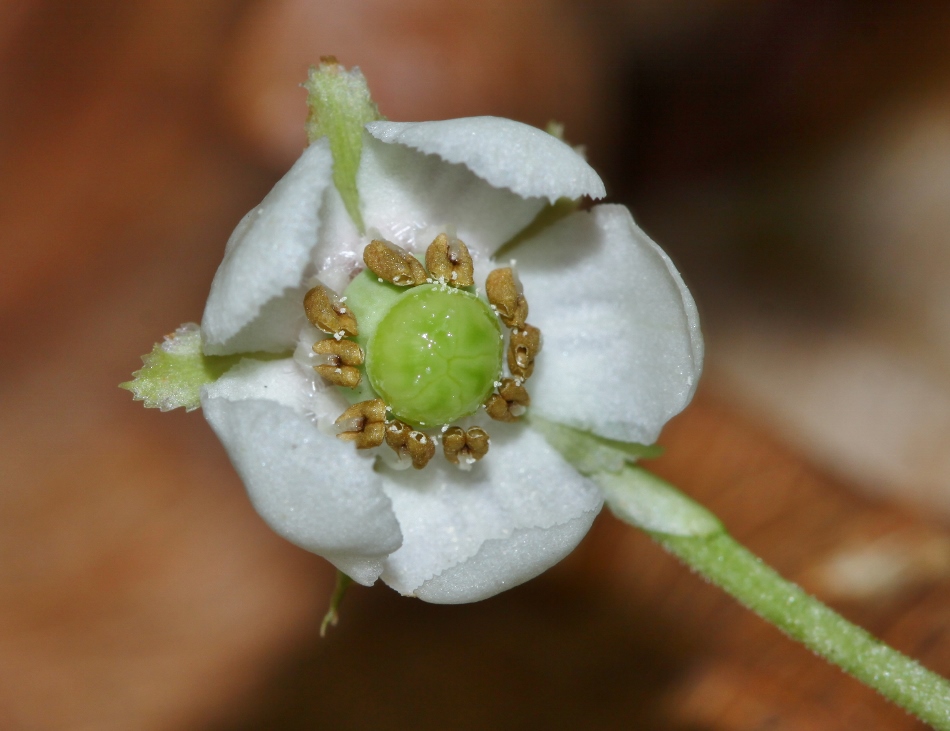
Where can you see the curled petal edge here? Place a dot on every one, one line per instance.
(254, 300)
(315, 492)
(509, 509)
(623, 351)
(505, 153)
(535, 549)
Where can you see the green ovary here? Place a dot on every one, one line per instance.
(435, 356)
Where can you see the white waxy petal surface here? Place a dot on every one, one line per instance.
(314, 490)
(409, 198)
(255, 297)
(501, 564)
(517, 513)
(622, 351)
(507, 154)
(339, 251)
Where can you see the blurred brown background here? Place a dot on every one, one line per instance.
(793, 156)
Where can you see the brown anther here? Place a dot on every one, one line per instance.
(453, 442)
(477, 441)
(407, 442)
(505, 294)
(328, 312)
(363, 423)
(509, 403)
(448, 259)
(394, 264)
(523, 347)
(397, 436)
(465, 447)
(344, 352)
(340, 360)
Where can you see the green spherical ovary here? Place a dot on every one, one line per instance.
(435, 355)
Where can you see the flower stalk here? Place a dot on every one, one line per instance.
(721, 559)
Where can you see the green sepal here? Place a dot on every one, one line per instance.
(589, 453)
(176, 369)
(550, 214)
(633, 494)
(340, 105)
(642, 499)
(555, 129)
(333, 612)
(546, 217)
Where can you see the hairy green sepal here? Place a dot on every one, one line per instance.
(549, 215)
(589, 453)
(546, 217)
(642, 499)
(176, 369)
(333, 612)
(633, 494)
(339, 106)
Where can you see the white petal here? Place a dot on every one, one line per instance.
(527, 553)
(517, 513)
(338, 255)
(622, 351)
(363, 571)
(508, 154)
(255, 297)
(314, 490)
(409, 197)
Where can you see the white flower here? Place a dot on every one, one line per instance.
(622, 354)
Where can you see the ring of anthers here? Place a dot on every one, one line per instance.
(448, 262)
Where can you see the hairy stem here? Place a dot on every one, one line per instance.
(729, 565)
(722, 560)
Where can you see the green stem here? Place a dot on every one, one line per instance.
(726, 563)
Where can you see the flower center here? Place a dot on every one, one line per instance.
(429, 348)
(436, 355)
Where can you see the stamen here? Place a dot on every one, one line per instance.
(343, 376)
(407, 442)
(421, 448)
(507, 297)
(363, 423)
(393, 264)
(464, 448)
(337, 361)
(346, 352)
(397, 433)
(509, 403)
(457, 250)
(327, 312)
(523, 346)
(349, 425)
(448, 259)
